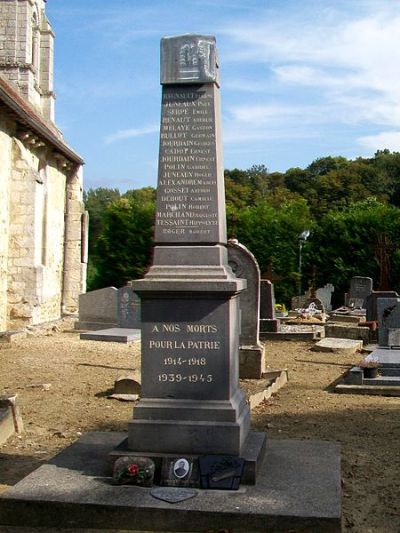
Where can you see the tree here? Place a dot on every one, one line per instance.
(96, 201)
(361, 240)
(272, 235)
(123, 249)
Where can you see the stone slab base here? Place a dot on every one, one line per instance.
(377, 390)
(344, 346)
(345, 319)
(112, 335)
(274, 380)
(286, 336)
(94, 326)
(341, 331)
(269, 325)
(386, 357)
(298, 488)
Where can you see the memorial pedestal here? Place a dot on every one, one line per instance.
(191, 402)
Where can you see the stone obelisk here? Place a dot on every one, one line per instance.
(191, 402)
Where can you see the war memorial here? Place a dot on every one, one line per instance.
(192, 414)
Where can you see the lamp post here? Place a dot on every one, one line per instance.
(302, 239)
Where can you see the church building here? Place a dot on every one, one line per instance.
(42, 220)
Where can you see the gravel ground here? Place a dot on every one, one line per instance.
(62, 385)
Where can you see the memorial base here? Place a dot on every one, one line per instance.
(253, 452)
(298, 488)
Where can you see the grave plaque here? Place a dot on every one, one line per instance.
(128, 308)
(180, 472)
(388, 321)
(191, 403)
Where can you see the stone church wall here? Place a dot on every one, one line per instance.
(42, 271)
(5, 171)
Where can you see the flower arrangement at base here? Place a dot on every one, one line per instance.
(134, 471)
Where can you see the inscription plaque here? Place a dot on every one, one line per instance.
(185, 357)
(188, 195)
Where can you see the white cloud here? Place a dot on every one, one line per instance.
(129, 133)
(341, 67)
(385, 139)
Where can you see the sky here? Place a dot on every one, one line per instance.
(300, 79)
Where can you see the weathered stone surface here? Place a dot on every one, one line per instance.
(372, 302)
(298, 488)
(267, 300)
(251, 361)
(128, 308)
(112, 335)
(98, 309)
(348, 332)
(251, 351)
(244, 265)
(127, 384)
(6, 424)
(388, 319)
(345, 319)
(188, 59)
(360, 288)
(345, 346)
(41, 187)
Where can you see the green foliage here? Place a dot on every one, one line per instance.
(96, 201)
(350, 207)
(359, 240)
(123, 248)
(272, 235)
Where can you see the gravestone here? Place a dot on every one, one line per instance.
(372, 303)
(360, 289)
(389, 321)
(251, 351)
(98, 309)
(191, 403)
(325, 295)
(298, 302)
(128, 308)
(268, 321)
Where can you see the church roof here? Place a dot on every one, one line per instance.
(28, 116)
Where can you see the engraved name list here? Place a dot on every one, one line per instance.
(186, 203)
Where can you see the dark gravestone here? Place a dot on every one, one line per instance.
(98, 309)
(360, 289)
(251, 351)
(389, 321)
(191, 403)
(268, 321)
(128, 308)
(372, 303)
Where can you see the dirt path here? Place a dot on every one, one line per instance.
(77, 376)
